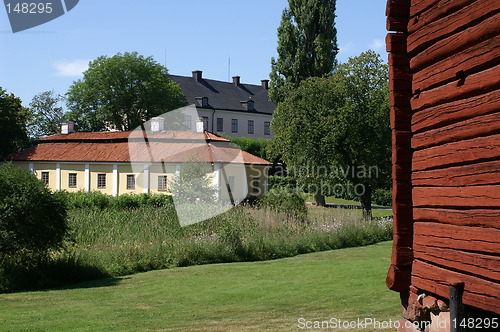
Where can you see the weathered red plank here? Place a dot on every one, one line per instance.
(397, 23)
(473, 85)
(487, 266)
(400, 61)
(456, 153)
(402, 173)
(466, 62)
(438, 29)
(396, 43)
(478, 292)
(400, 99)
(466, 175)
(401, 255)
(473, 196)
(401, 190)
(397, 8)
(418, 6)
(424, 11)
(477, 239)
(400, 85)
(403, 223)
(459, 110)
(401, 154)
(470, 217)
(402, 240)
(483, 125)
(398, 278)
(400, 118)
(488, 28)
(401, 137)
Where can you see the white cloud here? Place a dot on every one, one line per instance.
(377, 44)
(70, 68)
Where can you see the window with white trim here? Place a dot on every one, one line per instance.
(162, 182)
(234, 125)
(130, 181)
(101, 181)
(250, 126)
(45, 177)
(72, 180)
(267, 128)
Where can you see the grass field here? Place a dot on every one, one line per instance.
(345, 284)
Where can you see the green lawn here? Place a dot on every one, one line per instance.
(385, 212)
(346, 284)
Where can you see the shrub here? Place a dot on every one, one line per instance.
(82, 199)
(282, 181)
(285, 200)
(382, 197)
(31, 217)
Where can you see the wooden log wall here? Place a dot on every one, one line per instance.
(445, 97)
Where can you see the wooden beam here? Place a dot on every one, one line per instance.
(478, 292)
(461, 197)
(487, 266)
(457, 153)
(470, 217)
(441, 115)
(483, 125)
(477, 239)
(469, 86)
(418, 6)
(424, 12)
(440, 27)
(469, 61)
(489, 28)
(486, 173)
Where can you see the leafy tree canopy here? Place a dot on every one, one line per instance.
(31, 217)
(307, 45)
(13, 115)
(338, 128)
(122, 92)
(45, 114)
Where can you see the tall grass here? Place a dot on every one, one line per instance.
(125, 241)
(111, 241)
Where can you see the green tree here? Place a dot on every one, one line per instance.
(13, 115)
(337, 128)
(307, 45)
(122, 92)
(45, 116)
(193, 183)
(31, 217)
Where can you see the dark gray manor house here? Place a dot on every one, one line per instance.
(232, 108)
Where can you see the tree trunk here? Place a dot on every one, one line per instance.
(366, 202)
(319, 199)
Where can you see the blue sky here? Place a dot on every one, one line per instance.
(184, 35)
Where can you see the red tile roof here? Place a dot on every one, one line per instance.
(125, 135)
(169, 147)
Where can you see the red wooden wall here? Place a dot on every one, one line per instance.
(444, 59)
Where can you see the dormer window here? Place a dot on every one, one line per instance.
(248, 105)
(202, 101)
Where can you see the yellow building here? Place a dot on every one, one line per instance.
(137, 162)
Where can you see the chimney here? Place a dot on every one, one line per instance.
(236, 80)
(157, 124)
(197, 75)
(265, 84)
(67, 127)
